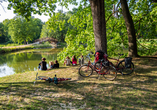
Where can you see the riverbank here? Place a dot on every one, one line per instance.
(24, 47)
(136, 91)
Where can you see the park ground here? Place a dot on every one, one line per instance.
(136, 91)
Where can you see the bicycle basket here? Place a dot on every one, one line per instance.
(128, 61)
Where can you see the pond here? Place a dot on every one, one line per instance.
(23, 61)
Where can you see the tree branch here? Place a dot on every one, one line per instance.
(111, 15)
(2, 6)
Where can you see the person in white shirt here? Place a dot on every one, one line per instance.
(67, 61)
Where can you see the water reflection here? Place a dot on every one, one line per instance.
(25, 60)
(5, 70)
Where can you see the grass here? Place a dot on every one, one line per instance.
(22, 47)
(136, 91)
(14, 47)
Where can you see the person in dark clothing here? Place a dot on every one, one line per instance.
(53, 65)
(42, 64)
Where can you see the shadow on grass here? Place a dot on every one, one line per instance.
(112, 95)
(135, 91)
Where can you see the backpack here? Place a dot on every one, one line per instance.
(99, 55)
(128, 61)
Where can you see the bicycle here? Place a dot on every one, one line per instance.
(55, 79)
(120, 65)
(109, 72)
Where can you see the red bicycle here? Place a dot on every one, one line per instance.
(120, 66)
(109, 72)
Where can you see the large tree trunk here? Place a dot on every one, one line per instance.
(99, 25)
(130, 29)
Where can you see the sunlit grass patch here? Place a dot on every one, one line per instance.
(135, 91)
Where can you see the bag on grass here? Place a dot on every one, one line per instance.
(128, 61)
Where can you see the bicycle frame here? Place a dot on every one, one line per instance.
(107, 59)
(123, 66)
(94, 68)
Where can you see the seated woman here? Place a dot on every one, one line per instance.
(81, 60)
(67, 61)
(74, 60)
(42, 64)
(53, 65)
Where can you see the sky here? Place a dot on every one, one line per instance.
(9, 14)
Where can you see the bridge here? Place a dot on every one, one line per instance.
(45, 39)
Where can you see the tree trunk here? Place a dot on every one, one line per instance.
(130, 29)
(25, 42)
(99, 25)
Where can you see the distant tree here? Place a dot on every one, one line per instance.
(2, 37)
(39, 24)
(46, 32)
(21, 30)
(6, 26)
(57, 26)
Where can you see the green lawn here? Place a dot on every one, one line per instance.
(136, 91)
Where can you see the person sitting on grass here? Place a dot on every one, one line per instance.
(53, 65)
(67, 61)
(74, 60)
(81, 60)
(42, 64)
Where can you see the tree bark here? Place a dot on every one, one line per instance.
(130, 29)
(99, 25)
(25, 42)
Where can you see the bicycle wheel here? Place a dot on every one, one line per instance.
(124, 70)
(43, 77)
(98, 66)
(85, 70)
(111, 73)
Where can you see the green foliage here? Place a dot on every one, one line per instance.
(12, 45)
(145, 24)
(117, 39)
(3, 36)
(6, 26)
(21, 30)
(27, 7)
(57, 26)
(76, 26)
(80, 38)
(2, 45)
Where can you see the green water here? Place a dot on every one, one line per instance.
(22, 61)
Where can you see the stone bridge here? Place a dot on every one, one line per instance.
(45, 39)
